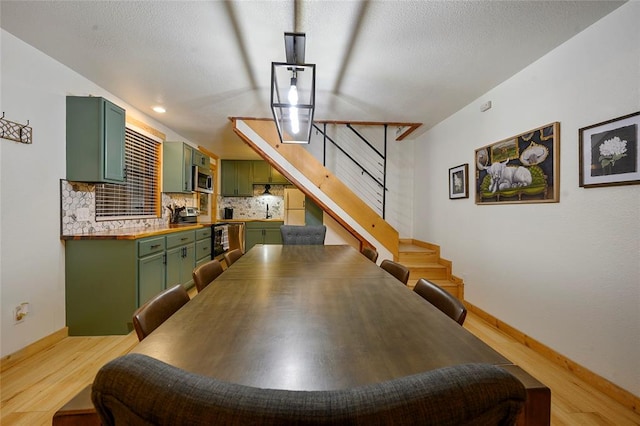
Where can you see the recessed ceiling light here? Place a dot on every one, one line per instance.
(159, 109)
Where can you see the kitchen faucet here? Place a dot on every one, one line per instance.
(268, 215)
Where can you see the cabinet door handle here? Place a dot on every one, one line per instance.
(184, 238)
(155, 246)
(164, 259)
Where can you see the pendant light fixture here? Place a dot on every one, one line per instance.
(293, 92)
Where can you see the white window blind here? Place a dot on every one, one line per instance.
(139, 197)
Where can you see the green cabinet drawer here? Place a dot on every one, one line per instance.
(180, 238)
(203, 233)
(149, 246)
(203, 249)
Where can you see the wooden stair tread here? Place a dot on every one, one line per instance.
(410, 248)
(423, 265)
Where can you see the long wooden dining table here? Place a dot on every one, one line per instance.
(319, 318)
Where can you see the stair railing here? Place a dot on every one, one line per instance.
(355, 160)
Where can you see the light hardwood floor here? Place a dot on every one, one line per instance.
(33, 389)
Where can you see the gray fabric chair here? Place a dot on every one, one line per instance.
(442, 300)
(303, 235)
(205, 273)
(396, 269)
(370, 253)
(135, 389)
(149, 316)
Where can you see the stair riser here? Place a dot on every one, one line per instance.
(417, 257)
(428, 273)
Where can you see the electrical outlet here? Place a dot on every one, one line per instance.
(20, 312)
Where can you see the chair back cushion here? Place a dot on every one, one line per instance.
(153, 313)
(303, 235)
(398, 270)
(135, 390)
(231, 256)
(441, 299)
(205, 273)
(370, 253)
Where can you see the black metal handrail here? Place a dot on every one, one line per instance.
(364, 170)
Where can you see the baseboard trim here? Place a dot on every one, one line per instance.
(37, 346)
(608, 388)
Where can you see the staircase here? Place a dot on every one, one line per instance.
(424, 261)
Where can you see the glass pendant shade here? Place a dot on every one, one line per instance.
(293, 100)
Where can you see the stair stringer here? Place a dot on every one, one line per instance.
(317, 182)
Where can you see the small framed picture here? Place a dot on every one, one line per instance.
(459, 182)
(609, 153)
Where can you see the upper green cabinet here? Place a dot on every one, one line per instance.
(236, 178)
(264, 173)
(177, 170)
(95, 140)
(200, 160)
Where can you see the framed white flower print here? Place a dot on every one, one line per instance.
(459, 182)
(609, 153)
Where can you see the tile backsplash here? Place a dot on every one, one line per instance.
(77, 195)
(255, 207)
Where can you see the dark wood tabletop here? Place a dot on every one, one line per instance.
(311, 318)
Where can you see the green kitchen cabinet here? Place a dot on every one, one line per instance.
(151, 268)
(262, 233)
(200, 160)
(236, 178)
(181, 258)
(264, 173)
(177, 167)
(95, 150)
(203, 246)
(101, 286)
(108, 279)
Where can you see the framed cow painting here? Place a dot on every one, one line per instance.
(521, 169)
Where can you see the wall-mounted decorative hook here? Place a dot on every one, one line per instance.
(15, 131)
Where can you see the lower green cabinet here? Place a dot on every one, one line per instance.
(262, 233)
(151, 276)
(203, 246)
(107, 280)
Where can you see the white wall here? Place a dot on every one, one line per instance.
(566, 274)
(34, 87)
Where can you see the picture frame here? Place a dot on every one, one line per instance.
(521, 169)
(609, 153)
(459, 182)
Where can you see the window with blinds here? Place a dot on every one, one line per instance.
(139, 197)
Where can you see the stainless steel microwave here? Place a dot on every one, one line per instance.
(202, 180)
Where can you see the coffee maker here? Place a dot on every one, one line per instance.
(228, 212)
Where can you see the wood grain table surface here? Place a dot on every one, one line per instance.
(311, 318)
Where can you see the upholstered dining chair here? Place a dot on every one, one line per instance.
(399, 271)
(441, 299)
(303, 235)
(136, 389)
(231, 256)
(370, 253)
(205, 273)
(155, 311)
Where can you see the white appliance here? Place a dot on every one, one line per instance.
(294, 206)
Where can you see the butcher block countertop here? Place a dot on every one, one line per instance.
(134, 233)
(143, 232)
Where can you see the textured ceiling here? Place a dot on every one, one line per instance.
(401, 61)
